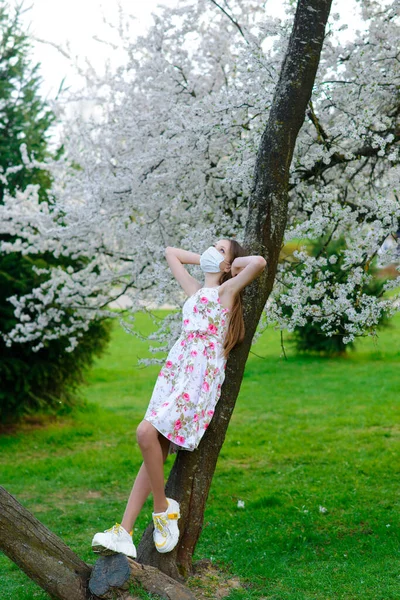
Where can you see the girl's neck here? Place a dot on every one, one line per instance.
(212, 280)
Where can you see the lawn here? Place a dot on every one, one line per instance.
(312, 451)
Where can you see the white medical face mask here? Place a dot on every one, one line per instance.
(210, 260)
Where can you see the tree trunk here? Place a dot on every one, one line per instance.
(192, 473)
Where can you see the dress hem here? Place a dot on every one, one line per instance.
(173, 446)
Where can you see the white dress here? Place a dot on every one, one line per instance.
(189, 384)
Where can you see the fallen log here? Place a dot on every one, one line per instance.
(48, 561)
(118, 571)
(40, 553)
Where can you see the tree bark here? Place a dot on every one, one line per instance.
(40, 553)
(192, 473)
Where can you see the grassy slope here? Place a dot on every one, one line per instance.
(306, 432)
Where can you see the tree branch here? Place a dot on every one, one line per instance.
(339, 159)
(230, 18)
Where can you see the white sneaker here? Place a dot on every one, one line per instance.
(166, 532)
(113, 541)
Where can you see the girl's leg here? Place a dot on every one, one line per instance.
(150, 447)
(142, 486)
(140, 491)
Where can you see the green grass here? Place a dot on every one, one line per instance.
(306, 433)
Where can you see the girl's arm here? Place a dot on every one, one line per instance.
(243, 269)
(176, 258)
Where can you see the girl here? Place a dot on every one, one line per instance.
(188, 385)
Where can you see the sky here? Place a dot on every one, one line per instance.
(76, 22)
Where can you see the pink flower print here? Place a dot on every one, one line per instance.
(205, 425)
(205, 352)
(193, 353)
(203, 412)
(225, 310)
(196, 418)
(165, 404)
(153, 413)
(218, 300)
(204, 300)
(189, 368)
(169, 436)
(210, 413)
(219, 386)
(169, 364)
(211, 345)
(180, 439)
(191, 335)
(183, 342)
(212, 328)
(223, 322)
(180, 357)
(195, 309)
(186, 396)
(205, 386)
(208, 310)
(177, 425)
(186, 322)
(216, 370)
(161, 374)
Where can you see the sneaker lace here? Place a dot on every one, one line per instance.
(117, 528)
(161, 524)
(114, 529)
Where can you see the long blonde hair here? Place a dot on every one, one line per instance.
(236, 330)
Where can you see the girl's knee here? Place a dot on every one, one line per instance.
(146, 434)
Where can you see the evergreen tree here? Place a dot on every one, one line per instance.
(47, 378)
(24, 116)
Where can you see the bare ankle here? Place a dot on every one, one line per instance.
(160, 507)
(127, 528)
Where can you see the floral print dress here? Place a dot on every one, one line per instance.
(189, 384)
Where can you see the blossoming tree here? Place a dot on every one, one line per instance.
(167, 158)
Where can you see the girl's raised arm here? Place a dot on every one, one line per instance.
(176, 258)
(243, 269)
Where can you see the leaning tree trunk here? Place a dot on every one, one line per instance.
(192, 473)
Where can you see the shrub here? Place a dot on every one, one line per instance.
(311, 337)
